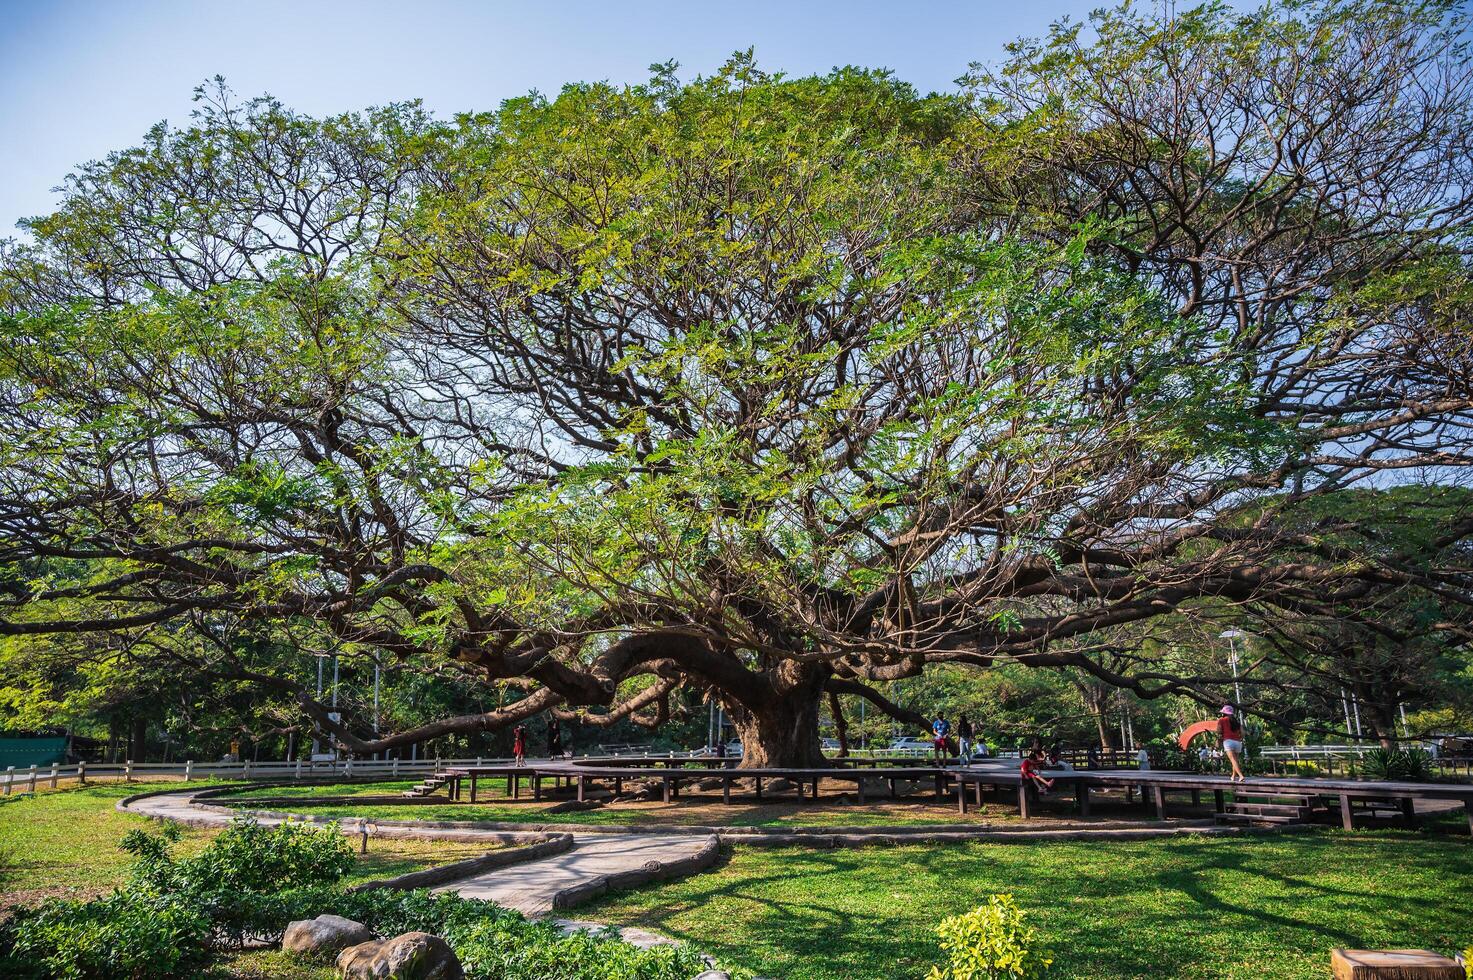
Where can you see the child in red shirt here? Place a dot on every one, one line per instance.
(1030, 769)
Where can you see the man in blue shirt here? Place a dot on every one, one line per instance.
(940, 729)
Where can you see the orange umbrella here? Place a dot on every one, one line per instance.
(1210, 725)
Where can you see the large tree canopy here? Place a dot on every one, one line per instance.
(765, 387)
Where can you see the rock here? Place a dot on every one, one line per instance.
(412, 956)
(573, 806)
(777, 784)
(711, 782)
(324, 936)
(713, 975)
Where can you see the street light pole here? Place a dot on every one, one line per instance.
(1232, 637)
(375, 698)
(317, 729)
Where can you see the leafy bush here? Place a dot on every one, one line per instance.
(125, 936)
(1166, 754)
(243, 882)
(245, 857)
(990, 942)
(498, 944)
(251, 881)
(1406, 765)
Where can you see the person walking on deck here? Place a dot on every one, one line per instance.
(1230, 730)
(964, 740)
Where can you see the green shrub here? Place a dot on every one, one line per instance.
(126, 936)
(990, 942)
(245, 857)
(247, 881)
(1407, 765)
(1167, 754)
(494, 943)
(251, 881)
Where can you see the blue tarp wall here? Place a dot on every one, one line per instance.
(26, 752)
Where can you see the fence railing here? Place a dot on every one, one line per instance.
(32, 778)
(29, 779)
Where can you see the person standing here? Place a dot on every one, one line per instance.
(940, 733)
(1230, 731)
(519, 745)
(964, 740)
(554, 739)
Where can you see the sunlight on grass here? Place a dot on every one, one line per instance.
(1244, 908)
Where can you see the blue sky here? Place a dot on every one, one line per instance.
(78, 79)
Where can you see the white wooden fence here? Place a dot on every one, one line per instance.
(23, 780)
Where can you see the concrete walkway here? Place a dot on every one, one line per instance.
(534, 887)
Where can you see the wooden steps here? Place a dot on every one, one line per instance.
(1262, 809)
(427, 788)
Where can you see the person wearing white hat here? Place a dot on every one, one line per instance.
(1230, 730)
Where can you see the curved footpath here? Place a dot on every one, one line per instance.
(557, 866)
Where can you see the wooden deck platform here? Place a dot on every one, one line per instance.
(1001, 776)
(585, 776)
(1156, 784)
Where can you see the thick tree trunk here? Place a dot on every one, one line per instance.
(781, 731)
(138, 739)
(781, 735)
(1382, 721)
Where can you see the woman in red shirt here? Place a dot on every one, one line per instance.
(1230, 730)
(519, 743)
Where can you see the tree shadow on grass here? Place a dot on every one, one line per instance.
(1224, 907)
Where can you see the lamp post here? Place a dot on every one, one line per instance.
(317, 729)
(1232, 637)
(375, 698)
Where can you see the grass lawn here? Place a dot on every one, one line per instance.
(1249, 908)
(1254, 908)
(66, 843)
(269, 964)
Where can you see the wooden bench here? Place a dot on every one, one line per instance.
(1393, 964)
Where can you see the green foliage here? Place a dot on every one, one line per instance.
(1408, 765)
(1166, 754)
(239, 881)
(251, 881)
(129, 935)
(991, 942)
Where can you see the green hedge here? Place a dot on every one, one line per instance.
(172, 916)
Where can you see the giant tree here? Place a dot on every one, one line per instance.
(766, 387)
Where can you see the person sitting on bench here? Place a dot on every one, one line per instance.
(1032, 764)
